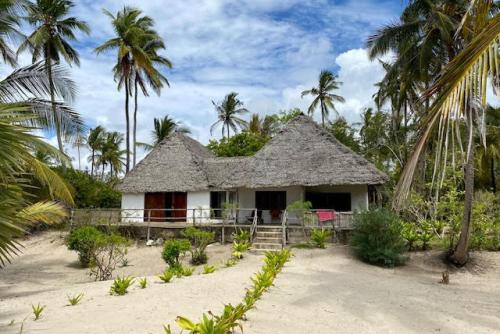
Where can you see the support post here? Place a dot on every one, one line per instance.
(223, 236)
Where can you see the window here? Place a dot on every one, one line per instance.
(336, 201)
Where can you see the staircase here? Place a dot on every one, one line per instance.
(268, 238)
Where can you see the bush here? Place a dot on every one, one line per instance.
(173, 250)
(241, 236)
(377, 237)
(167, 275)
(199, 242)
(120, 286)
(108, 252)
(319, 237)
(84, 240)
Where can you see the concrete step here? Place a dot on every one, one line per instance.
(260, 234)
(275, 240)
(266, 246)
(263, 228)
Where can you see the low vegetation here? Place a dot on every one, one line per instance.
(199, 241)
(319, 237)
(120, 285)
(37, 310)
(83, 240)
(143, 282)
(75, 299)
(166, 276)
(377, 237)
(173, 250)
(209, 269)
(232, 316)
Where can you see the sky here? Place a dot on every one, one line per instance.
(266, 50)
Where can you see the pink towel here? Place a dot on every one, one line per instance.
(324, 216)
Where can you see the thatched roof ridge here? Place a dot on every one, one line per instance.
(176, 164)
(302, 153)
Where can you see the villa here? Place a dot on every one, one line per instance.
(181, 180)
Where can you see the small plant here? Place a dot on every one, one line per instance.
(199, 240)
(241, 236)
(173, 250)
(120, 285)
(84, 240)
(143, 282)
(187, 271)
(209, 269)
(167, 275)
(124, 262)
(37, 310)
(74, 300)
(230, 262)
(319, 237)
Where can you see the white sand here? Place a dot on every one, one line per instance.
(319, 291)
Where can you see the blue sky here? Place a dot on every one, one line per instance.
(267, 50)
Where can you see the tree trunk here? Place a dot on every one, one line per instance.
(228, 132)
(322, 114)
(48, 63)
(79, 160)
(134, 129)
(460, 255)
(92, 164)
(493, 178)
(102, 174)
(127, 127)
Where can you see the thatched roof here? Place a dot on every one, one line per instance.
(300, 154)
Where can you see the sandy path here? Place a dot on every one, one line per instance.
(48, 279)
(329, 292)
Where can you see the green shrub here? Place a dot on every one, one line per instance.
(37, 310)
(209, 269)
(187, 271)
(199, 241)
(120, 285)
(231, 262)
(84, 241)
(173, 250)
(241, 236)
(409, 233)
(377, 237)
(108, 252)
(143, 282)
(319, 237)
(74, 300)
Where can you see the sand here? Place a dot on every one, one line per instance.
(319, 291)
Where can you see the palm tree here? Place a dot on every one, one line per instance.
(227, 114)
(460, 94)
(80, 141)
(323, 96)
(256, 124)
(95, 141)
(143, 79)
(9, 25)
(111, 154)
(163, 127)
(131, 30)
(50, 41)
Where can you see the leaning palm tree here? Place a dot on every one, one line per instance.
(50, 42)
(143, 79)
(131, 30)
(95, 141)
(323, 95)
(460, 96)
(227, 114)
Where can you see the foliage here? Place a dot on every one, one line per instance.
(120, 285)
(209, 269)
(319, 237)
(241, 236)
(227, 114)
(299, 206)
(377, 237)
(143, 282)
(231, 262)
(74, 300)
(84, 240)
(344, 133)
(109, 251)
(37, 310)
(241, 144)
(167, 275)
(89, 191)
(187, 271)
(199, 241)
(173, 250)
(232, 315)
(239, 248)
(485, 233)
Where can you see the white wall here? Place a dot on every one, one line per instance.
(359, 194)
(199, 200)
(133, 207)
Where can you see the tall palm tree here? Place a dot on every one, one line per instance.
(162, 128)
(111, 154)
(131, 30)
(460, 96)
(227, 114)
(95, 141)
(50, 41)
(80, 141)
(327, 83)
(143, 79)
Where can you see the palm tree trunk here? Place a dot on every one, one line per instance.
(134, 130)
(228, 132)
(322, 114)
(127, 127)
(92, 164)
(460, 255)
(79, 160)
(48, 63)
(493, 178)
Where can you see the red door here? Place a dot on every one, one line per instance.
(179, 203)
(154, 205)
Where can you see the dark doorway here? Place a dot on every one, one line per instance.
(217, 200)
(157, 206)
(274, 201)
(334, 201)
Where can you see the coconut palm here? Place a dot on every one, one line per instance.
(50, 41)
(227, 114)
(9, 25)
(323, 96)
(111, 154)
(95, 141)
(131, 31)
(80, 141)
(460, 96)
(163, 127)
(143, 79)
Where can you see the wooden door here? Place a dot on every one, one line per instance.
(154, 205)
(179, 203)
